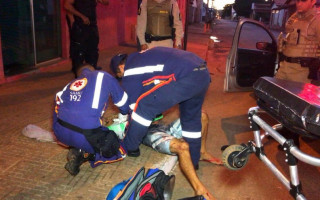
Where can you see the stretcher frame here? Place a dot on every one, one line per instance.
(293, 153)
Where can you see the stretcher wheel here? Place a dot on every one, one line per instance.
(230, 161)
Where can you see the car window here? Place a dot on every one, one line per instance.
(250, 34)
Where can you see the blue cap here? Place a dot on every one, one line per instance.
(115, 61)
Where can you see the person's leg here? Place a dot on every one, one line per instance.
(77, 46)
(176, 132)
(190, 116)
(191, 90)
(147, 109)
(181, 148)
(211, 25)
(204, 155)
(92, 51)
(160, 138)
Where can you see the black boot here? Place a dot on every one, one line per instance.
(76, 157)
(135, 153)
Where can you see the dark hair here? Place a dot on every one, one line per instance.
(116, 61)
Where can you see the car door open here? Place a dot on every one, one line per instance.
(253, 54)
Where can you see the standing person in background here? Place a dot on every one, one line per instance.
(300, 49)
(84, 35)
(208, 19)
(159, 24)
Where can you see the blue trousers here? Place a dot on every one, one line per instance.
(77, 140)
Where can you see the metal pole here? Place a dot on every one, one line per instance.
(33, 32)
(185, 38)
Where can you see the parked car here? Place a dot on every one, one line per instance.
(253, 54)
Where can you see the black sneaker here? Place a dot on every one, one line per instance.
(135, 153)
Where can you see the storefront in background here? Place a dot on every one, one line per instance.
(34, 33)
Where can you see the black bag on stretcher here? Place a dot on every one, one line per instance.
(295, 105)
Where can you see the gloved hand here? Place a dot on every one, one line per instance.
(121, 118)
(119, 125)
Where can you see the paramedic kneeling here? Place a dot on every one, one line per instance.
(156, 80)
(77, 118)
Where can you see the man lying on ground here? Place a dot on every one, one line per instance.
(166, 137)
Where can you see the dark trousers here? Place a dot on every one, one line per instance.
(84, 40)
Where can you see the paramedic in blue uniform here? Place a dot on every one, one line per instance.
(84, 35)
(156, 80)
(77, 118)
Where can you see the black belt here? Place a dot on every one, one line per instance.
(76, 128)
(160, 38)
(149, 38)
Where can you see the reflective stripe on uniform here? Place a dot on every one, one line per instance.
(141, 120)
(97, 91)
(191, 134)
(144, 70)
(131, 106)
(59, 95)
(123, 100)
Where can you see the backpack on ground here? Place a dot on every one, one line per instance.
(154, 185)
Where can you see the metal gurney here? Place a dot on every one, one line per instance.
(297, 107)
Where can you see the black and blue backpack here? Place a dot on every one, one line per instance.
(154, 185)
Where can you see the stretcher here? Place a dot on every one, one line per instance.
(296, 106)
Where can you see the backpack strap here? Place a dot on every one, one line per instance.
(154, 185)
(128, 191)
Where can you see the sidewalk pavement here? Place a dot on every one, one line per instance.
(30, 169)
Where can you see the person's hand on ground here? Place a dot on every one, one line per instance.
(205, 193)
